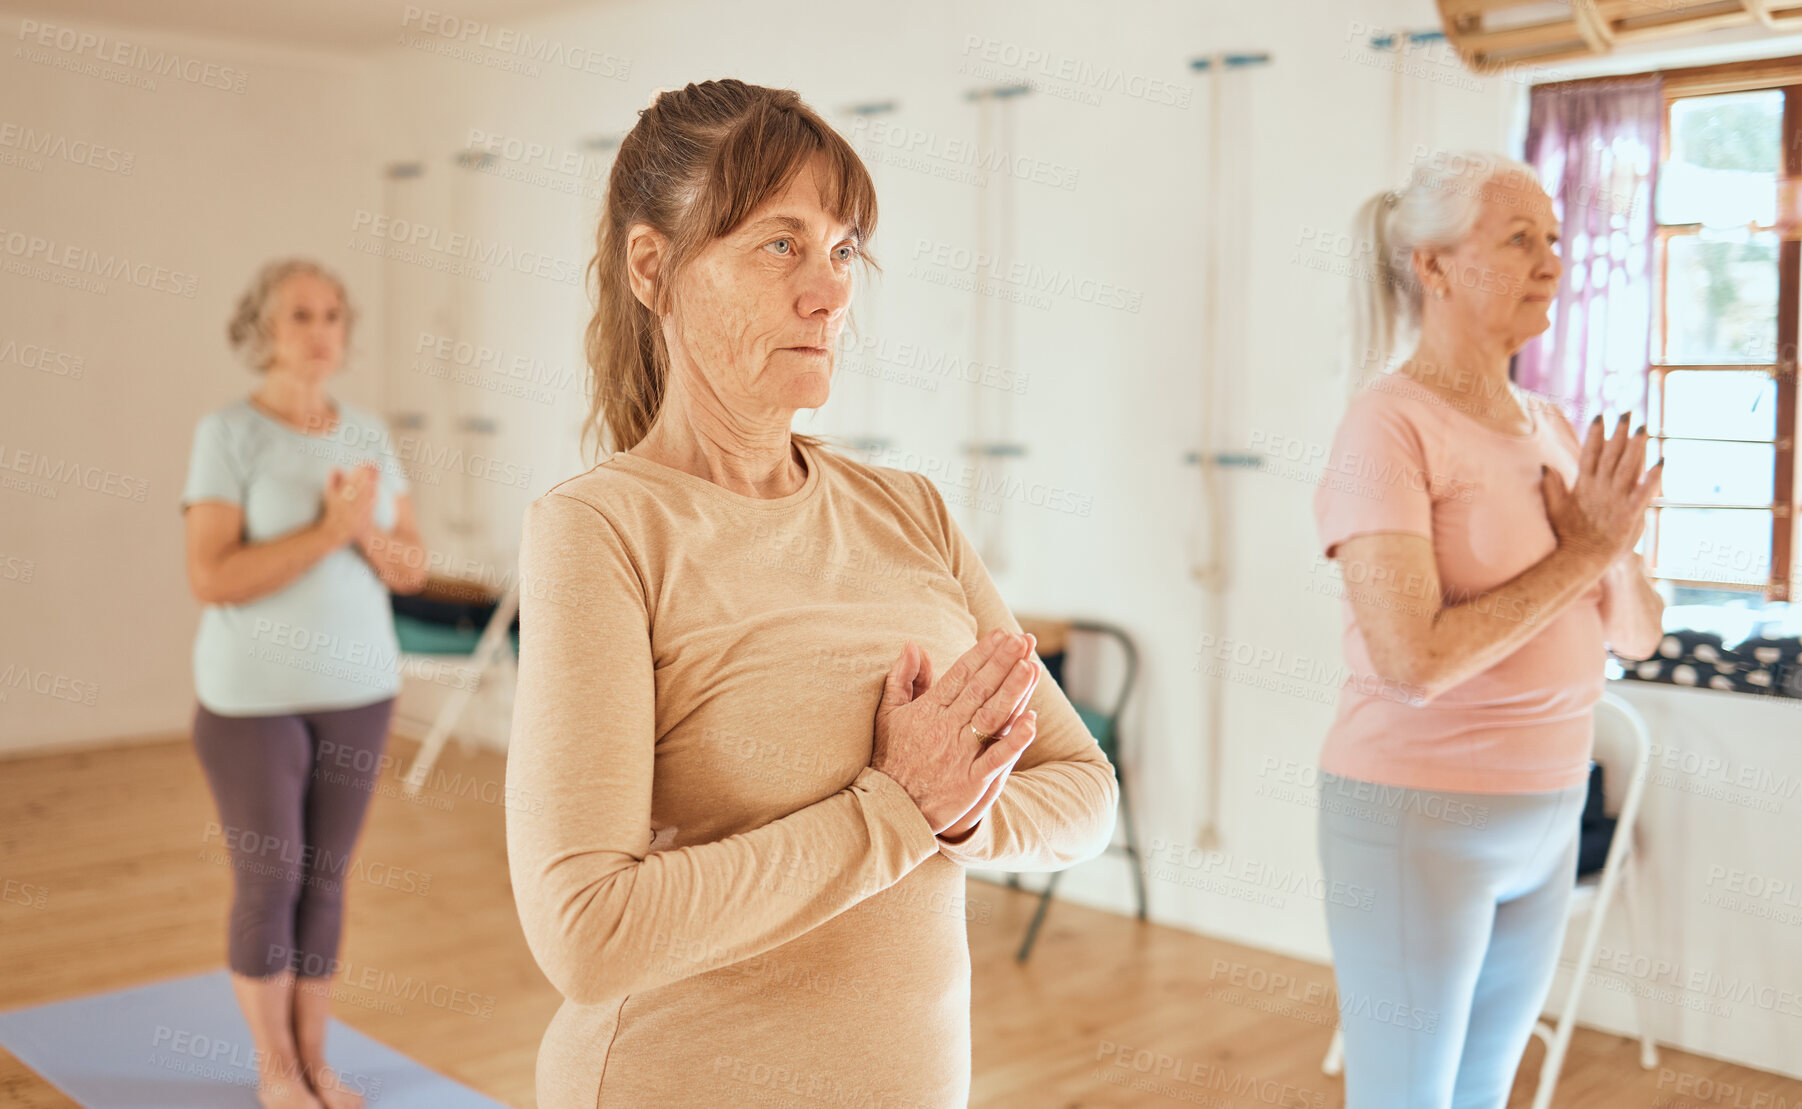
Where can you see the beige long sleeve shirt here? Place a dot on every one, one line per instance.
(737, 908)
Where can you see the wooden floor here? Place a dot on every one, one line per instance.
(113, 880)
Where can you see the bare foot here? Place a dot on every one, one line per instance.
(330, 1088)
(282, 1087)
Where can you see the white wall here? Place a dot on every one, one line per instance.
(1112, 401)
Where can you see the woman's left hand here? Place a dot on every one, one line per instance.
(398, 555)
(961, 828)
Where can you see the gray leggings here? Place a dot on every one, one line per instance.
(1445, 943)
(291, 791)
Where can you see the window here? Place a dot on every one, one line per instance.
(1722, 389)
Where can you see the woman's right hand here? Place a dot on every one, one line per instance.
(1604, 513)
(923, 736)
(349, 503)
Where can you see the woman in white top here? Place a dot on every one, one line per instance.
(298, 526)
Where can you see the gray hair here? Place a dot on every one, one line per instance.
(249, 330)
(1438, 207)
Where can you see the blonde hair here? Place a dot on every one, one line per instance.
(697, 163)
(248, 331)
(1437, 208)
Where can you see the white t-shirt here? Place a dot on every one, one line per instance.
(325, 640)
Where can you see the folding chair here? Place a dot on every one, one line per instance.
(1104, 725)
(1623, 747)
(496, 639)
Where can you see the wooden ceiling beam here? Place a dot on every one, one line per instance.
(1761, 11)
(1586, 28)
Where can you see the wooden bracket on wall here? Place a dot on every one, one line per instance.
(1492, 34)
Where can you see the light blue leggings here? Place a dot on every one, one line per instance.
(1445, 943)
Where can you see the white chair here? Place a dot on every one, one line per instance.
(1623, 747)
(494, 647)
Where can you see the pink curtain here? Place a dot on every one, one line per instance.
(1596, 149)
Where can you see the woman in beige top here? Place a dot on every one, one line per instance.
(746, 875)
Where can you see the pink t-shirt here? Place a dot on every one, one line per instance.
(1407, 460)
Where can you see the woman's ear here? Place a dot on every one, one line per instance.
(1429, 270)
(645, 250)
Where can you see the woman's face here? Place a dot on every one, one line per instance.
(1499, 283)
(306, 331)
(756, 314)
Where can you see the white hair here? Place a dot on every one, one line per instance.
(1437, 208)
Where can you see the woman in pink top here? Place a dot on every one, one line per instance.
(1488, 564)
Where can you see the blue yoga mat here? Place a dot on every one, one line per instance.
(183, 1044)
